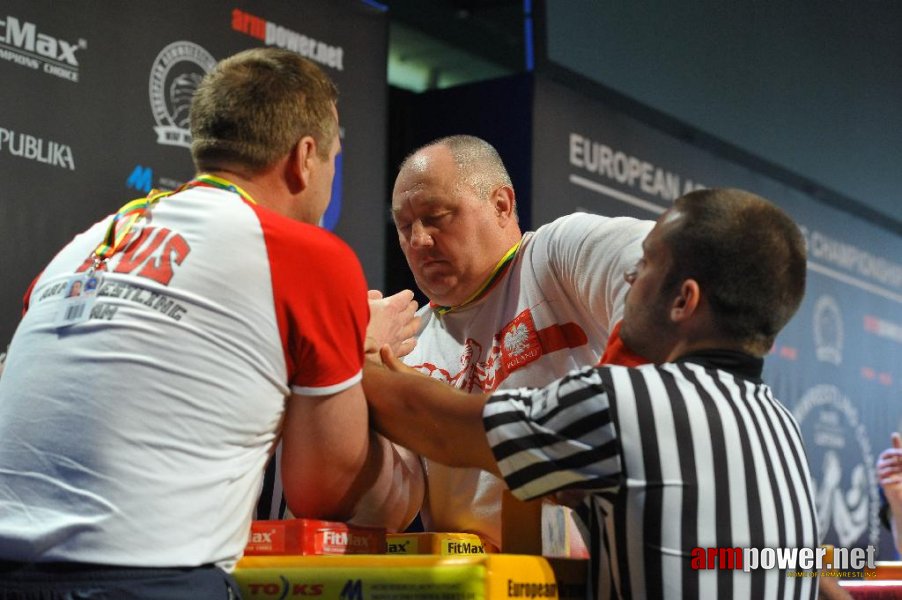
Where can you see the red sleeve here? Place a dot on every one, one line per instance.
(320, 298)
(617, 353)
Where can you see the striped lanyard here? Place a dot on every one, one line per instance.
(487, 285)
(126, 217)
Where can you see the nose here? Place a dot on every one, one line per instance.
(419, 237)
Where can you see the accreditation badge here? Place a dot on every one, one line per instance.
(78, 298)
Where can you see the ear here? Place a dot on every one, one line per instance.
(686, 304)
(300, 162)
(504, 202)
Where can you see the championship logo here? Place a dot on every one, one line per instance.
(841, 465)
(828, 330)
(177, 71)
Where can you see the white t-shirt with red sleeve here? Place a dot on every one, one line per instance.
(138, 436)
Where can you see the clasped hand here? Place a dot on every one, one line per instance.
(393, 321)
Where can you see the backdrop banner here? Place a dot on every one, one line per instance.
(95, 112)
(837, 365)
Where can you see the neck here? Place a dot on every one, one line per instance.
(487, 284)
(684, 347)
(266, 188)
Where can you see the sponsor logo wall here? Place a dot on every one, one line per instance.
(96, 101)
(837, 365)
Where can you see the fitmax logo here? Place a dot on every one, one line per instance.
(24, 36)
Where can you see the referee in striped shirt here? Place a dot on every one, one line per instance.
(692, 452)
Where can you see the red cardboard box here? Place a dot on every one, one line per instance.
(311, 536)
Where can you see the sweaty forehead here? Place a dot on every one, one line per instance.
(418, 163)
(424, 179)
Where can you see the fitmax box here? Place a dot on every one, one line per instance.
(443, 544)
(311, 537)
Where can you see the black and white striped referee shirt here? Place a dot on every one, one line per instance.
(691, 454)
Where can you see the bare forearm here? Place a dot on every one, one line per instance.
(391, 488)
(321, 487)
(895, 523)
(889, 475)
(429, 417)
(330, 456)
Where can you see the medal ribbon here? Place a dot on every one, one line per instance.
(487, 285)
(123, 222)
(125, 218)
(213, 181)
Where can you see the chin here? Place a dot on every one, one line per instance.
(438, 293)
(441, 300)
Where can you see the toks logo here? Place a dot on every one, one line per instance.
(284, 589)
(21, 43)
(177, 70)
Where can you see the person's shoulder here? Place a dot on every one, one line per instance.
(566, 221)
(579, 223)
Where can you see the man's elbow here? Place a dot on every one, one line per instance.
(315, 505)
(330, 496)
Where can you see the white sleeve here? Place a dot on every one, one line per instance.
(589, 255)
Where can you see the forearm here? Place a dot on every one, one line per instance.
(384, 488)
(322, 486)
(895, 523)
(391, 487)
(334, 466)
(429, 417)
(889, 476)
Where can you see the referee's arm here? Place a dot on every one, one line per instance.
(427, 416)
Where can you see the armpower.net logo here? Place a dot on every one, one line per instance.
(797, 562)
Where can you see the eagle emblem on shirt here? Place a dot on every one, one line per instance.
(517, 340)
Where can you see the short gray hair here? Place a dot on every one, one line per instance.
(478, 163)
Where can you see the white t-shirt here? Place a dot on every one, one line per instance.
(551, 312)
(139, 436)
